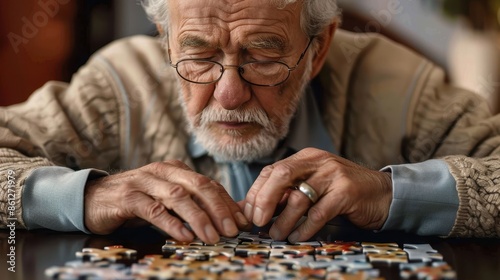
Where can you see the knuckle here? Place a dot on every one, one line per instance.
(296, 198)
(196, 215)
(266, 171)
(156, 167)
(202, 183)
(128, 194)
(309, 150)
(283, 170)
(265, 202)
(177, 163)
(155, 210)
(252, 193)
(330, 161)
(176, 191)
(317, 216)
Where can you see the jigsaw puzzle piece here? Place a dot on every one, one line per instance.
(157, 267)
(379, 247)
(228, 240)
(242, 275)
(310, 243)
(110, 253)
(310, 273)
(434, 271)
(103, 270)
(338, 248)
(294, 269)
(284, 263)
(422, 253)
(250, 238)
(296, 250)
(195, 242)
(251, 262)
(343, 263)
(384, 252)
(371, 274)
(253, 249)
(198, 252)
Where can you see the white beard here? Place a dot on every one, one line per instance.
(240, 147)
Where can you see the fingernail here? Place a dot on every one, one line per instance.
(211, 234)
(258, 216)
(241, 219)
(248, 211)
(230, 227)
(187, 233)
(293, 237)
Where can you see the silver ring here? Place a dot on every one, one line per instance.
(306, 189)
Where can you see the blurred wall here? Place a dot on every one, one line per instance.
(43, 40)
(36, 41)
(470, 58)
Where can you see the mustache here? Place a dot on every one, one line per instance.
(253, 115)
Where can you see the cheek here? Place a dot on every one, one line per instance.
(278, 102)
(269, 99)
(196, 97)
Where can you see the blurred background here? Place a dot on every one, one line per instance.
(42, 40)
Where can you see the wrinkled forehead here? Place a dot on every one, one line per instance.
(229, 19)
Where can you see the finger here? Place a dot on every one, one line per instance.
(317, 216)
(223, 209)
(177, 198)
(252, 193)
(155, 213)
(215, 201)
(283, 175)
(193, 214)
(208, 194)
(295, 209)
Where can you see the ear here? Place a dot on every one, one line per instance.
(324, 42)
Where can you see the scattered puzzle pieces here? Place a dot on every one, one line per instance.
(434, 271)
(256, 256)
(422, 252)
(90, 270)
(110, 253)
(384, 252)
(338, 248)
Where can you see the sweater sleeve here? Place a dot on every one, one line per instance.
(457, 126)
(73, 125)
(478, 186)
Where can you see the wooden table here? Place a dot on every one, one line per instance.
(37, 250)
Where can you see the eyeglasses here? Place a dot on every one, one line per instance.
(258, 73)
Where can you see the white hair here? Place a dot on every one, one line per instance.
(316, 14)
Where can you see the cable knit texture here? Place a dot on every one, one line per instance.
(381, 104)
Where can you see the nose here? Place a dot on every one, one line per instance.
(231, 91)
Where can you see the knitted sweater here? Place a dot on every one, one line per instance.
(381, 104)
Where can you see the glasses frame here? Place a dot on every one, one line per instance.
(238, 67)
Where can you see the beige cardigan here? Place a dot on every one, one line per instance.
(381, 104)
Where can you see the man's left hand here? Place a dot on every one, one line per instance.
(342, 187)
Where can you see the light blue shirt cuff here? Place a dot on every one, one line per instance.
(53, 198)
(425, 198)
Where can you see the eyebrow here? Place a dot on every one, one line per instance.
(193, 41)
(269, 42)
(262, 42)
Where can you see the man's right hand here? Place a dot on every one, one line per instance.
(165, 194)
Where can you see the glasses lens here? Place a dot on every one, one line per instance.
(199, 71)
(265, 73)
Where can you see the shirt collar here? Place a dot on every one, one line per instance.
(306, 130)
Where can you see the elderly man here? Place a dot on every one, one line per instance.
(244, 107)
